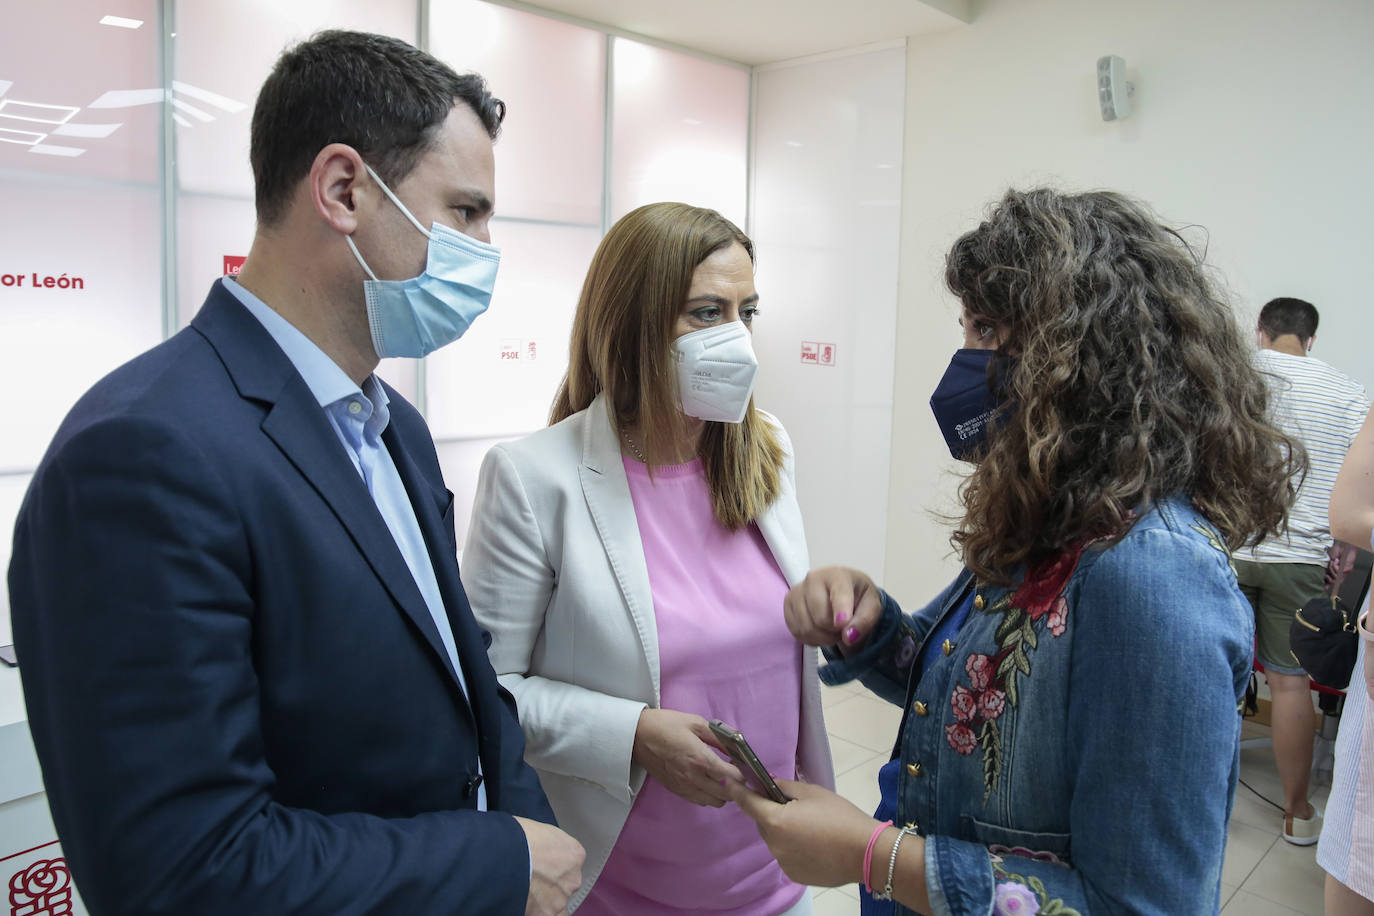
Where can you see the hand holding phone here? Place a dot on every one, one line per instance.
(678, 750)
(748, 762)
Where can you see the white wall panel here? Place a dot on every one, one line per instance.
(552, 77)
(1245, 127)
(680, 131)
(827, 184)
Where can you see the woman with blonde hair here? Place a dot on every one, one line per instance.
(631, 561)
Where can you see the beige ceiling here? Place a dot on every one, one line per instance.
(764, 31)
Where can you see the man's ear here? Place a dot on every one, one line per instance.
(339, 186)
(1310, 341)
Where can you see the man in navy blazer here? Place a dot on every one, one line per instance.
(253, 678)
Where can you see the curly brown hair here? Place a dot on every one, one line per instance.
(1128, 382)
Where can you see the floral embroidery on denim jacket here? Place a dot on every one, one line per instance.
(1016, 895)
(1038, 603)
(1215, 540)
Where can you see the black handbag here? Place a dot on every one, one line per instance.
(1324, 640)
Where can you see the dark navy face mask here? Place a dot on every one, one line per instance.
(965, 402)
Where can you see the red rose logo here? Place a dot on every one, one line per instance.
(963, 703)
(979, 668)
(961, 738)
(42, 888)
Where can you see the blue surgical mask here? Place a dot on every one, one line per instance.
(966, 403)
(418, 316)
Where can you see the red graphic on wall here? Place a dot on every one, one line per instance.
(232, 264)
(44, 888)
(814, 353)
(518, 350)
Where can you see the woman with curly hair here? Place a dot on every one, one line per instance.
(1070, 734)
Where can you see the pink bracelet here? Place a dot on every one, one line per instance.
(868, 854)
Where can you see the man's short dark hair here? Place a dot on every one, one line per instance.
(1286, 315)
(381, 96)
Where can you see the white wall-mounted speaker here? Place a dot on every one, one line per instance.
(1113, 92)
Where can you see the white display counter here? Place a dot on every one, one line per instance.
(33, 871)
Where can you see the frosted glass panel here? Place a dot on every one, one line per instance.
(680, 129)
(827, 192)
(212, 232)
(500, 378)
(77, 98)
(80, 282)
(56, 342)
(551, 76)
(224, 51)
(12, 487)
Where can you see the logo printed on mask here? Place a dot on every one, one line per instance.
(415, 317)
(716, 371)
(975, 426)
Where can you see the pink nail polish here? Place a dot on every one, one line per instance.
(851, 635)
(841, 618)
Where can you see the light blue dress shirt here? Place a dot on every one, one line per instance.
(358, 416)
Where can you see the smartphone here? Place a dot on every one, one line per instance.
(744, 757)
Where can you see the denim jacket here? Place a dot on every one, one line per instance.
(1076, 745)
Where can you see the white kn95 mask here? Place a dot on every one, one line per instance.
(716, 371)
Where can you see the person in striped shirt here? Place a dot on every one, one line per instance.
(1323, 408)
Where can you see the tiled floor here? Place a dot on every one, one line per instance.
(1262, 875)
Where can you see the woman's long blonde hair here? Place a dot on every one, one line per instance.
(621, 345)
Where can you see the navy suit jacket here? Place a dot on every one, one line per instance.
(238, 696)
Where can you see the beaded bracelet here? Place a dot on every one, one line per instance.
(868, 854)
(892, 864)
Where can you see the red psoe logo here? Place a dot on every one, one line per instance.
(44, 888)
(814, 353)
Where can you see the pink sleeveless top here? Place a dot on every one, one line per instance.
(724, 653)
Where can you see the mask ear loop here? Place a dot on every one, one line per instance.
(396, 200)
(400, 206)
(349, 240)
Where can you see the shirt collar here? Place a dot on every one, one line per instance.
(327, 382)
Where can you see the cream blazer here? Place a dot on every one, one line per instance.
(555, 571)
